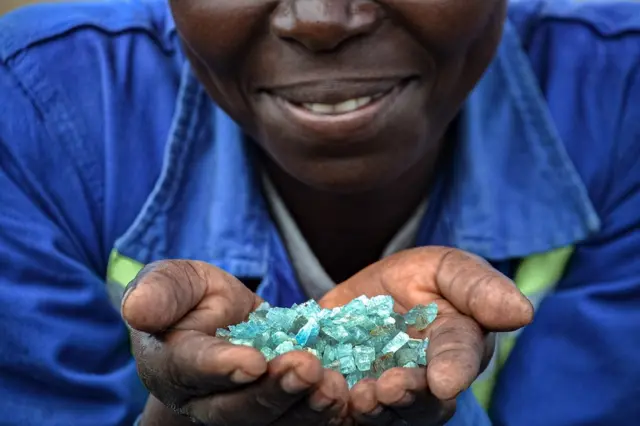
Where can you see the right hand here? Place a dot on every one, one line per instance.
(173, 309)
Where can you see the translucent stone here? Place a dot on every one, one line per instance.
(282, 318)
(309, 309)
(243, 342)
(405, 355)
(308, 333)
(268, 353)
(279, 337)
(414, 343)
(334, 365)
(383, 363)
(361, 339)
(382, 330)
(258, 316)
(389, 321)
(400, 323)
(365, 322)
(262, 340)
(248, 330)
(422, 353)
(379, 342)
(338, 333)
(264, 306)
(421, 316)
(381, 306)
(343, 350)
(223, 333)
(396, 343)
(347, 365)
(298, 323)
(356, 307)
(354, 378)
(364, 357)
(320, 346)
(329, 355)
(284, 347)
(358, 335)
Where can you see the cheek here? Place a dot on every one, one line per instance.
(220, 32)
(445, 27)
(219, 36)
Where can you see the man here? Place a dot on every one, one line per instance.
(298, 144)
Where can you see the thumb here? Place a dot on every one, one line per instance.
(171, 292)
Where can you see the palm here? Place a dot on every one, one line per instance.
(472, 299)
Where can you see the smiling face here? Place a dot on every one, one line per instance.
(344, 95)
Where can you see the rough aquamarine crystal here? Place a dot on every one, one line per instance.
(362, 339)
(347, 365)
(406, 355)
(308, 333)
(421, 316)
(364, 357)
(396, 343)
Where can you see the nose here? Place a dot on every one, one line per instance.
(323, 25)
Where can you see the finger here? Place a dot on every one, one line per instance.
(327, 404)
(290, 378)
(187, 364)
(455, 353)
(476, 289)
(166, 293)
(397, 386)
(406, 393)
(365, 407)
(427, 274)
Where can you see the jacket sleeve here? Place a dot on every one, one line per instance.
(64, 352)
(578, 363)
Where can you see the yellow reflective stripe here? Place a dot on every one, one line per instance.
(121, 269)
(507, 342)
(535, 277)
(482, 389)
(540, 272)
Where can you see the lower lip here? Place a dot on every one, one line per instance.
(339, 123)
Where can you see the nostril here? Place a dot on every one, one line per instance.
(323, 25)
(317, 39)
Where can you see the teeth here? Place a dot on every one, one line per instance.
(341, 108)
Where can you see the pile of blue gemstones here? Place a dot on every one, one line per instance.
(361, 340)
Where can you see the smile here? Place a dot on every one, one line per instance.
(355, 112)
(337, 106)
(343, 107)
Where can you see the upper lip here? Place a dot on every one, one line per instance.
(333, 91)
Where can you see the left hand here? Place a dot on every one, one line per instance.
(473, 300)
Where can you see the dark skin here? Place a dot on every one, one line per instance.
(252, 54)
(174, 308)
(350, 178)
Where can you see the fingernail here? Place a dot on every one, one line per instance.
(407, 399)
(126, 295)
(291, 383)
(320, 403)
(134, 283)
(240, 377)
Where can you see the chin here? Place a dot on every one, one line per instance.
(346, 176)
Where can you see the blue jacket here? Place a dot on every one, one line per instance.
(107, 141)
